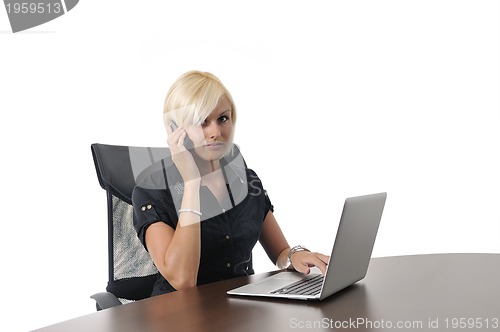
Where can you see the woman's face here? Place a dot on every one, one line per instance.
(213, 139)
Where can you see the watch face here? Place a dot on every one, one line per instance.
(294, 250)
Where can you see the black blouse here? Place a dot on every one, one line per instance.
(229, 230)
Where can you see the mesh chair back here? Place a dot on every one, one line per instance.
(131, 270)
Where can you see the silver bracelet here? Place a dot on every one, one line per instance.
(294, 250)
(190, 210)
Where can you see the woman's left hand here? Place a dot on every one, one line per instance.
(302, 261)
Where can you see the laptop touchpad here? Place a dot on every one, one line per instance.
(277, 281)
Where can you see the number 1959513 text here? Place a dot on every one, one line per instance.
(33, 8)
(472, 323)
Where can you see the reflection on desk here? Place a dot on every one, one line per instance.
(421, 292)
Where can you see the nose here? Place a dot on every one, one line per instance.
(213, 130)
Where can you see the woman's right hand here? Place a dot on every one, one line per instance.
(182, 157)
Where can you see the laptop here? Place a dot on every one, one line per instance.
(349, 260)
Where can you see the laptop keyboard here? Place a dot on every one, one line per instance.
(308, 286)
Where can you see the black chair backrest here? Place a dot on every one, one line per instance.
(131, 270)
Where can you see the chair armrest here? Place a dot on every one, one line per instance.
(105, 300)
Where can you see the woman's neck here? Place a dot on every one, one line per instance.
(207, 167)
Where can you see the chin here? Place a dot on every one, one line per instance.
(211, 155)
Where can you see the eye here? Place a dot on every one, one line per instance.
(223, 118)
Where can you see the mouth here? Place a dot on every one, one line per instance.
(214, 146)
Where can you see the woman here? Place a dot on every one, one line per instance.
(200, 215)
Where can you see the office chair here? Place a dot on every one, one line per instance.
(131, 269)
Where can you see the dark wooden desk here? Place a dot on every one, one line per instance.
(415, 293)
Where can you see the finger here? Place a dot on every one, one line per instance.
(302, 262)
(323, 258)
(302, 268)
(314, 259)
(322, 266)
(176, 139)
(182, 137)
(171, 137)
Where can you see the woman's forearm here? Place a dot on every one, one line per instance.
(182, 257)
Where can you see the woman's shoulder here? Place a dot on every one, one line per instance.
(153, 181)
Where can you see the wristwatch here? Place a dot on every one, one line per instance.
(294, 250)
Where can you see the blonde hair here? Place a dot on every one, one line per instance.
(192, 98)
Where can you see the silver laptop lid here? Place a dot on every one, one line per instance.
(354, 242)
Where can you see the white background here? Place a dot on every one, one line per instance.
(335, 98)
